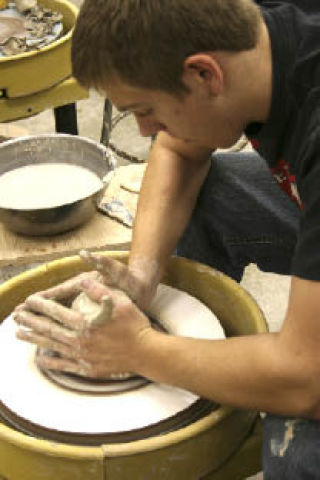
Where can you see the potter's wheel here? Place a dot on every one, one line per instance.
(33, 403)
(94, 385)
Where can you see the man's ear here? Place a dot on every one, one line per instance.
(203, 69)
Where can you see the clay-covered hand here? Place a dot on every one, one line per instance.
(66, 291)
(139, 279)
(94, 350)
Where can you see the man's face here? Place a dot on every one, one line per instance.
(198, 117)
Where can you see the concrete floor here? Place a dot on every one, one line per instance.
(270, 291)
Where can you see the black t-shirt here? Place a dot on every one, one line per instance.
(306, 5)
(290, 139)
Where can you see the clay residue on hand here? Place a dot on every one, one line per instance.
(94, 313)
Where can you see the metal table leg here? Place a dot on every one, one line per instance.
(66, 119)
(106, 123)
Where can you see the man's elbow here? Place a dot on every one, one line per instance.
(313, 398)
(308, 397)
(299, 363)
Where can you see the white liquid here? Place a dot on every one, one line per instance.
(46, 185)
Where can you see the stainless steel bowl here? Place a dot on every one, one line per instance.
(55, 148)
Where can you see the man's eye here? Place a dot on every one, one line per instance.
(143, 114)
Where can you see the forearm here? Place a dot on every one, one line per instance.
(168, 195)
(250, 372)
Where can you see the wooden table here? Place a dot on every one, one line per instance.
(100, 233)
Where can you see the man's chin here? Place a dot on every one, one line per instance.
(199, 143)
(222, 144)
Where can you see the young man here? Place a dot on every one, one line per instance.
(200, 74)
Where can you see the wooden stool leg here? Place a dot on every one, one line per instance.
(66, 119)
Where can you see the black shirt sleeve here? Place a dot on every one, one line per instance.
(308, 6)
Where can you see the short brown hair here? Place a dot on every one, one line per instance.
(145, 42)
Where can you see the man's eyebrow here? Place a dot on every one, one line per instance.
(132, 106)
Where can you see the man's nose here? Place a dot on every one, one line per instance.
(148, 128)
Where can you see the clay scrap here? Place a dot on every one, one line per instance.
(117, 210)
(13, 46)
(11, 28)
(24, 5)
(26, 26)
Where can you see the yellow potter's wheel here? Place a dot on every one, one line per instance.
(189, 452)
(56, 411)
(36, 80)
(33, 71)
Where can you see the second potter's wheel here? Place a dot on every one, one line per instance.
(35, 404)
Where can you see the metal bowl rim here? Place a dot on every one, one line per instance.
(40, 136)
(106, 152)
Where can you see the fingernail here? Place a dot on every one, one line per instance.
(18, 316)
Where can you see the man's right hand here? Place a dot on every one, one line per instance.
(139, 279)
(109, 272)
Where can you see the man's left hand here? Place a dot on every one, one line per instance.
(92, 351)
